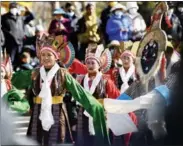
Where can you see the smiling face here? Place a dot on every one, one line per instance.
(127, 61)
(48, 59)
(92, 65)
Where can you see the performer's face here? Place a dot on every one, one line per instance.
(3, 73)
(126, 61)
(92, 65)
(48, 59)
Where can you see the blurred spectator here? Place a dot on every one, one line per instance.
(30, 29)
(70, 14)
(87, 29)
(171, 23)
(179, 13)
(60, 25)
(2, 39)
(25, 60)
(139, 26)
(105, 15)
(13, 28)
(119, 25)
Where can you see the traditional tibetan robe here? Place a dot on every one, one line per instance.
(57, 133)
(104, 89)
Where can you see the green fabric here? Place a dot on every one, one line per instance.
(22, 79)
(92, 106)
(16, 101)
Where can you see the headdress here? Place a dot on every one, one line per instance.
(152, 46)
(63, 50)
(128, 53)
(103, 57)
(6, 64)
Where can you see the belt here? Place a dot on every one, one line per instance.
(101, 101)
(55, 99)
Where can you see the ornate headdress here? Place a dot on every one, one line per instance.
(103, 57)
(62, 49)
(152, 46)
(6, 64)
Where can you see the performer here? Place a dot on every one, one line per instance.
(148, 60)
(6, 73)
(49, 121)
(99, 85)
(125, 75)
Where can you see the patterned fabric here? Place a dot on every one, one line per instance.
(118, 80)
(57, 133)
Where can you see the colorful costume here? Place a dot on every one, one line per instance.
(149, 56)
(100, 87)
(48, 100)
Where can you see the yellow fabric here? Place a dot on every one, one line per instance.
(55, 99)
(101, 101)
(91, 29)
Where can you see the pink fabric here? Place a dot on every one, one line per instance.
(51, 50)
(128, 53)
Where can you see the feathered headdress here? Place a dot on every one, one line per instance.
(101, 55)
(6, 64)
(63, 50)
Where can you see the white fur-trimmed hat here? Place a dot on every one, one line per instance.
(118, 6)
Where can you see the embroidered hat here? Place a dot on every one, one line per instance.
(63, 50)
(128, 53)
(103, 57)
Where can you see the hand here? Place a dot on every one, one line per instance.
(74, 128)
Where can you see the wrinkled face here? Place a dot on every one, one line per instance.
(48, 59)
(126, 61)
(3, 73)
(92, 65)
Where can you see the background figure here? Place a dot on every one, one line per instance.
(87, 31)
(70, 14)
(13, 28)
(139, 26)
(60, 25)
(105, 15)
(119, 26)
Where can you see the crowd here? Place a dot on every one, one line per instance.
(79, 66)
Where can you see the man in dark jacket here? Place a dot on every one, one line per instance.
(13, 28)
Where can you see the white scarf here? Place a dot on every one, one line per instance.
(4, 89)
(91, 90)
(46, 116)
(126, 76)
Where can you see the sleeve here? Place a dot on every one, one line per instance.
(111, 89)
(22, 79)
(29, 16)
(77, 67)
(92, 106)
(111, 28)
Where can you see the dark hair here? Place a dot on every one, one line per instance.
(67, 5)
(13, 5)
(89, 5)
